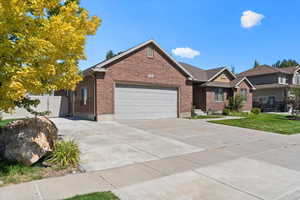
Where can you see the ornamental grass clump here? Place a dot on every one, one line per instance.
(66, 154)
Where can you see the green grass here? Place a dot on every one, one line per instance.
(5, 122)
(206, 117)
(95, 196)
(265, 122)
(66, 154)
(12, 172)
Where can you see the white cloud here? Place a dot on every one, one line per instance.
(250, 19)
(185, 52)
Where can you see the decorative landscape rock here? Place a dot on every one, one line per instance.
(27, 140)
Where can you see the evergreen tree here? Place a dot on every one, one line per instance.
(233, 69)
(110, 54)
(285, 63)
(256, 63)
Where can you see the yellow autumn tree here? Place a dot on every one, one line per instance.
(41, 42)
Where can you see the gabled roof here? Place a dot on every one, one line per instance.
(204, 75)
(265, 69)
(289, 70)
(101, 66)
(213, 73)
(197, 73)
(232, 84)
(238, 80)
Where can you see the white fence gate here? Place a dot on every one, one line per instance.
(57, 105)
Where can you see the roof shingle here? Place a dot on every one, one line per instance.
(200, 74)
(265, 69)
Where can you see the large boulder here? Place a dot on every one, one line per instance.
(27, 140)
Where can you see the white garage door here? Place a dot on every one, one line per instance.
(143, 102)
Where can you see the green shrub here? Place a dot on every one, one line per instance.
(256, 111)
(236, 103)
(65, 154)
(226, 111)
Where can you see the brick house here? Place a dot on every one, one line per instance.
(212, 88)
(144, 82)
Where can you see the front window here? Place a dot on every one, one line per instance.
(297, 79)
(84, 95)
(244, 93)
(282, 79)
(219, 94)
(271, 100)
(263, 99)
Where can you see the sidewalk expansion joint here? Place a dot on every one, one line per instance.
(229, 185)
(38, 191)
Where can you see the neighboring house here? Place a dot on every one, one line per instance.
(144, 82)
(272, 86)
(213, 88)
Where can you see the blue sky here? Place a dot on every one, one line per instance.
(211, 27)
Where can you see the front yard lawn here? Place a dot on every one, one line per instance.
(206, 117)
(13, 172)
(95, 196)
(265, 122)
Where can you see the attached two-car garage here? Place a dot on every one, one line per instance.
(145, 102)
(143, 82)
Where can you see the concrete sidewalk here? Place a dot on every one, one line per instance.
(104, 180)
(209, 175)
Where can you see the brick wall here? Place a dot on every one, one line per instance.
(137, 68)
(212, 105)
(248, 104)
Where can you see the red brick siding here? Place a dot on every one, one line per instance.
(105, 94)
(204, 98)
(135, 69)
(248, 105)
(88, 82)
(211, 104)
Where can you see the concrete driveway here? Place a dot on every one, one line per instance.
(112, 144)
(180, 159)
